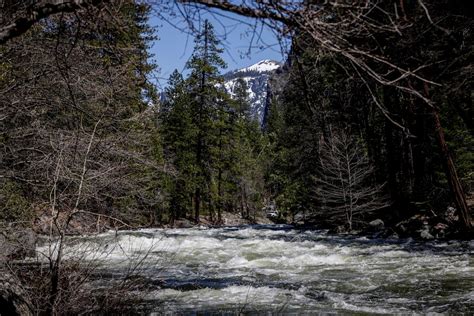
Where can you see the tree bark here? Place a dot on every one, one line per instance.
(220, 197)
(246, 205)
(197, 204)
(451, 173)
(202, 101)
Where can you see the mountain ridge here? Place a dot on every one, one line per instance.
(257, 77)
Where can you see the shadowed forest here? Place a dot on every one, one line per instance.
(365, 129)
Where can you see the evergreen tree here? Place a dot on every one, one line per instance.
(203, 88)
(211, 140)
(247, 145)
(179, 132)
(241, 98)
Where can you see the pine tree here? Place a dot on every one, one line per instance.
(179, 132)
(203, 88)
(241, 97)
(245, 172)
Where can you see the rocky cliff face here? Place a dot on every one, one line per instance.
(257, 77)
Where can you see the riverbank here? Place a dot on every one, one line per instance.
(228, 219)
(18, 241)
(419, 227)
(84, 222)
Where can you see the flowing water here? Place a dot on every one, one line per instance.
(279, 269)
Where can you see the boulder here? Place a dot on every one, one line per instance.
(394, 236)
(425, 234)
(13, 300)
(376, 225)
(440, 230)
(183, 223)
(412, 226)
(450, 215)
(338, 230)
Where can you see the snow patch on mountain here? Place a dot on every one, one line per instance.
(256, 76)
(262, 66)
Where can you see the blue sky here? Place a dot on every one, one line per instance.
(175, 47)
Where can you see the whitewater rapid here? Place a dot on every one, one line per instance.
(279, 269)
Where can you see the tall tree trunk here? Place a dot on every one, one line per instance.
(202, 101)
(197, 192)
(210, 207)
(450, 169)
(397, 179)
(242, 207)
(197, 204)
(246, 204)
(220, 198)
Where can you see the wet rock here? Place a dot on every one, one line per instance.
(376, 225)
(28, 240)
(440, 230)
(425, 234)
(450, 215)
(401, 228)
(338, 230)
(394, 236)
(317, 295)
(412, 226)
(13, 300)
(42, 223)
(183, 223)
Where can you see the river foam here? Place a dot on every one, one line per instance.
(279, 269)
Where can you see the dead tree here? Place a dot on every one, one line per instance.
(343, 187)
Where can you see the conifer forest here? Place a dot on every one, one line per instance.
(338, 179)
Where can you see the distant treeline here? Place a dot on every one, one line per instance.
(82, 128)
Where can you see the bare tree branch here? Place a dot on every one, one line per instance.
(41, 10)
(252, 12)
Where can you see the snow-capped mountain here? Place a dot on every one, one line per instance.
(262, 66)
(256, 76)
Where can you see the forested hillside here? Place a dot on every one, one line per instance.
(345, 139)
(77, 125)
(350, 142)
(212, 141)
(120, 195)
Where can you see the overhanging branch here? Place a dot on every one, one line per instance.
(41, 10)
(252, 12)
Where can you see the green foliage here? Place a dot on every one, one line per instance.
(320, 96)
(14, 205)
(461, 141)
(210, 139)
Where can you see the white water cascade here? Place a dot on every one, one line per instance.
(279, 269)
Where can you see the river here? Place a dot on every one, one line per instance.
(280, 269)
